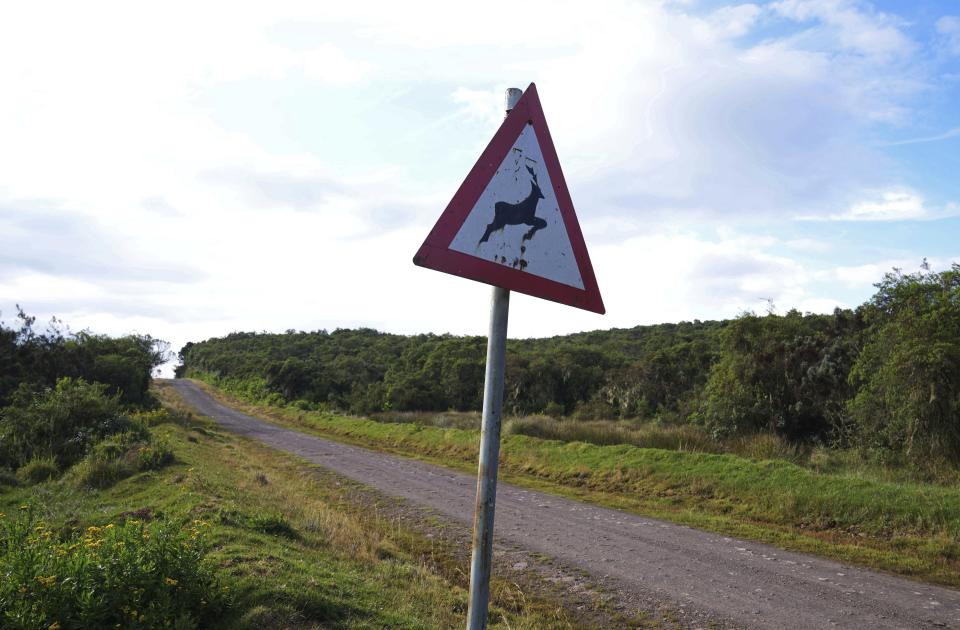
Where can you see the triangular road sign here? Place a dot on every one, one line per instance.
(512, 223)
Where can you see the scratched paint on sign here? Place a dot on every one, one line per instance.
(517, 221)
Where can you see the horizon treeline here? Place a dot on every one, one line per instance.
(883, 376)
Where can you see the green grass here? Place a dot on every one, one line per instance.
(684, 437)
(908, 528)
(291, 546)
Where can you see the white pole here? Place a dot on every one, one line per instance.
(482, 556)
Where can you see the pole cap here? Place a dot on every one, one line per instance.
(511, 97)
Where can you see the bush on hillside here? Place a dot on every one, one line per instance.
(62, 422)
(120, 456)
(38, 470)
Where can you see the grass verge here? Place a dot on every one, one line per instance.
(912, 529)
(289, 545)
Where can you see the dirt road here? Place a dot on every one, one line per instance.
(705, 576)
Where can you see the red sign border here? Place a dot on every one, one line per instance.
(435, 253)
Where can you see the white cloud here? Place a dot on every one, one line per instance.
(808, 245)
(852, 25)
(735, 21)
(890, 205)
(137, 125)
(480, 104)
(945, 135)
(329, 64)
(859, 276)
(949, 27)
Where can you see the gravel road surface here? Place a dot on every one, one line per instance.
(705, 576)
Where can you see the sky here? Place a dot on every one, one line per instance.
(187, 170)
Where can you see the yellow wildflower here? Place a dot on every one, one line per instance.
(170, 581)
(48, 580)
(24, 507)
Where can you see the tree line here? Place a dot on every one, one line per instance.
(885, 375)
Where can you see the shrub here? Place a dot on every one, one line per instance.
(100, 473)
(782, 374)
(62, 422)
(154, 456)
(908, 373)
(768, 446)
(161, 415)
(37, 470)
(126, 575)
(121, 456)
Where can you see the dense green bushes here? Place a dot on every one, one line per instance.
(62, 422)
(640, 371)
(36, 360)
(884, 377)
(62, 395)
(44, 433)
(908, 374)
(787, 375)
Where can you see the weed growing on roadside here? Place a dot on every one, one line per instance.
(129, 574)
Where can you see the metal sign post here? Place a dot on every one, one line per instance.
(482, 554)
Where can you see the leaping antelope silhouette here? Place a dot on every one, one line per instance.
(523, 213)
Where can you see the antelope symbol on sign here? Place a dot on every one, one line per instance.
(523, 213)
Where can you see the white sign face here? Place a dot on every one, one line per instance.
(517, 221)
